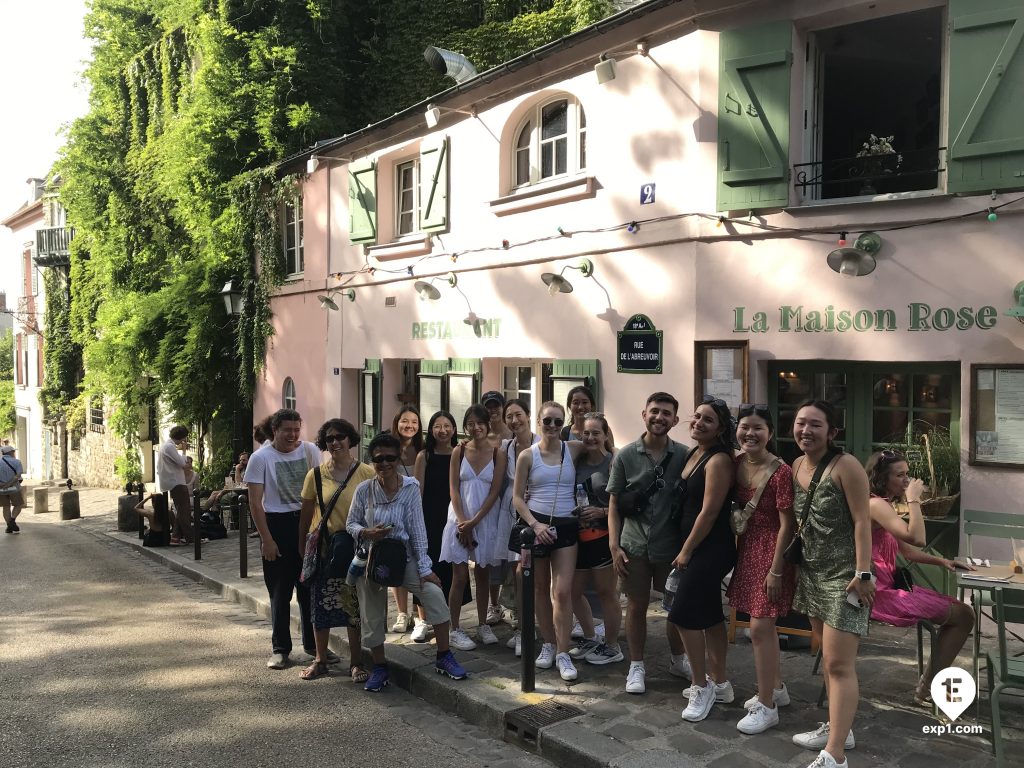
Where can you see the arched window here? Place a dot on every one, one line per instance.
(551, 142)
(289, 400)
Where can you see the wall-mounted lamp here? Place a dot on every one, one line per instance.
(433, 114)
(1018, 310)
(312, 164)
(605, 67)
(445, 62)
(558, 284)
(427, 291)
(858, 260)
(234, 298)
(326, 302)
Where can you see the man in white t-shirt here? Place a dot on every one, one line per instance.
(170, 470)
(274, 475)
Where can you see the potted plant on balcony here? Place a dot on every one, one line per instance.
(876, 158)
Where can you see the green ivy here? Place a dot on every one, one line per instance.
(62, 357)
(7, 413)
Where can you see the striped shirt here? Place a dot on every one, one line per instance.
(404, 512)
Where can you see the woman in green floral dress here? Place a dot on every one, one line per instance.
(836, 570)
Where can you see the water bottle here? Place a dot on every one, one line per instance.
(582, 500)
(671, 586)
(358, 567)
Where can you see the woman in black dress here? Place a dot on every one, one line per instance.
(708, 554)
(432, 466)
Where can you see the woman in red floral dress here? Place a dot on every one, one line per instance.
(762, 584)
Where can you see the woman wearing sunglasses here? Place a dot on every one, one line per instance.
(333, 603)
(389, 506)
(472, 529)
(548, 469)
(762, 584)
(835, 587)
(891, 535)
(707, 555)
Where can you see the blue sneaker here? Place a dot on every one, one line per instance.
(447, 665)
(378, 679)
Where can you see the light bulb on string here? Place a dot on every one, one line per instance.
(632, 227)
(561, 231)
(504, 244)
(720, 222)
(842, 239)
(992, 215)
(455, 259)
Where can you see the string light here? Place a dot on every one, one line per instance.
(842, 239)
(992, 215)
(561, 231)
(632, 227)
(409, 270)
(721, 221)
(504, 244)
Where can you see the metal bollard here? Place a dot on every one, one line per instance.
(527, 619)
(140, 489)
(197, 526)
(243, 534)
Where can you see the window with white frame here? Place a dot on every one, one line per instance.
(288, 399)
(407, 197)
(293, 246)
(528, 380)
(550, 142)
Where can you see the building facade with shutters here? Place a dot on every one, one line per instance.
(760, 201)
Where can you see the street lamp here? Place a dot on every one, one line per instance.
(234, 299)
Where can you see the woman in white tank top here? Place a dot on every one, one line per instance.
(548, 470)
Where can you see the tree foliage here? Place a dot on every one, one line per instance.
(7, 418)
(169, 178)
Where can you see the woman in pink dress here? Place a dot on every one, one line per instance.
(762, 584)
(890, 480)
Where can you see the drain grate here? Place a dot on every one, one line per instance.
(523, 725)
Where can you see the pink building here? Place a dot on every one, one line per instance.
(696, 176)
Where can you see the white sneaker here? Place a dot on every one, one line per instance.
(758, 719)
(493, 615)
(511, 642)
(420, 631)
(702, 699)
(636, 678)
(680, 667)
(546, 657)
(577, 630)
(277, 661)
(583, 647)
(825, 760)
(724, 693)
(486, 635)
(604, 654)
(565, 667)
(458, 639)
(818, 738)
(402, 623)
(780, 697)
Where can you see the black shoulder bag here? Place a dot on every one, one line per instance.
(634, 503)
(794, 553)
(340, 547)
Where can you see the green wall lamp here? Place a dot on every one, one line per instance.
(1018, 310)
(858, 260)
(327, 302)
(427, 291)
(558, 284)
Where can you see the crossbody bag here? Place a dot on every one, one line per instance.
(388, 557)
(740, 516)
(794, 553)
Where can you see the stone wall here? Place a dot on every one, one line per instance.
(92, 464)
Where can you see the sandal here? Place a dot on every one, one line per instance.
(315, 670)
(358, 674)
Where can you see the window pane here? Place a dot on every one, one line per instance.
(554, 120)
(405, 223)
(888, 426)
(430, 396)
(561, 153)
(890, 389)
(368, 386)
(460, 396)
(583, 119)
(583, 150)
(831, 387)
(933, 391)
(547, 160)
(931, 418)
(524, 137)
(522, 166)
(793, 388)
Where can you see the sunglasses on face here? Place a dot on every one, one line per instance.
(891, 456)
(389, 458)
(548, 421)
(333, 439)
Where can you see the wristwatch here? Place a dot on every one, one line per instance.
(863, 575)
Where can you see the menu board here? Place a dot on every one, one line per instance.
(997, 415)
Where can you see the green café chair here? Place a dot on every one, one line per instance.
(993, 525)
(1004, 671)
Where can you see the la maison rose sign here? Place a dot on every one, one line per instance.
(796, 318)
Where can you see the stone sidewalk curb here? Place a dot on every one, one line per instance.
(565, 743)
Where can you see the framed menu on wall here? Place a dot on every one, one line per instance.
(720, 368)
(997, 415)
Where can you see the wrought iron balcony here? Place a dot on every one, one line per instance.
(869, 175)
(53, 246)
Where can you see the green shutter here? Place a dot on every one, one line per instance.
(369, 403)
(362, 193)
(434, 187)
(986, 90)
(753, 116)
(567, 374)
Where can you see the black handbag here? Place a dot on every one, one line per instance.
(902, 579)
(515, 536)
(341, 544)
(633, 503)
(388, 557)
(794, 553)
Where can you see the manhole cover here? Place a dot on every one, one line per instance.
(522, 725)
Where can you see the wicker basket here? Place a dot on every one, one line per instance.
(935, 506)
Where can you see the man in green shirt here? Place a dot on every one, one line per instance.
(644, 535)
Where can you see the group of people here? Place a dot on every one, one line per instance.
(618, 520)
